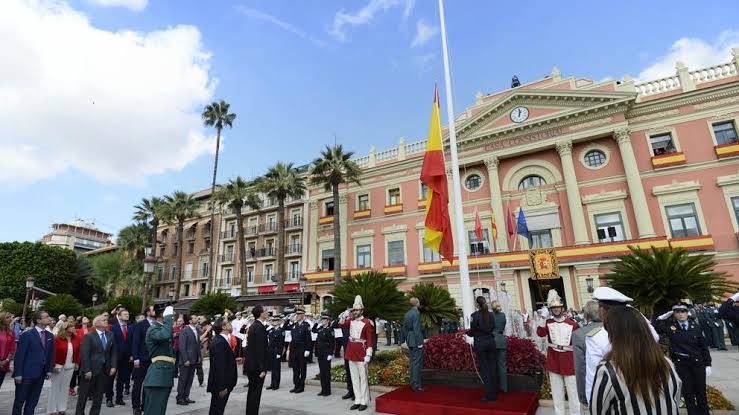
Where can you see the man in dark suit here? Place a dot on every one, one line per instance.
(222, 376)
(123, 337)
(98, 364)
(189, 358)
(34, 359)
(256, 359)
(413, 335)
(141, 360)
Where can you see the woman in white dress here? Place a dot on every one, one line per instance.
(66, 360)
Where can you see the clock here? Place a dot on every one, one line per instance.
(519, 114)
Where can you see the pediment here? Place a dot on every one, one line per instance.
(544, 106)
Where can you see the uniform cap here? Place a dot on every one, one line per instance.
(299, 311)
(609, 294)
(680, 307)
(326, 316)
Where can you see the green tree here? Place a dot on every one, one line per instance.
(150, 211)
(213, 303)
(134, 239)
(280, 182)
(132, 303)
(54, 268)
(62, 304)
(106, 271)
(216, 115)
(436, 304)
(380, 296)
(334, 168)
(234, 196)
(657, 278)
(179, 207)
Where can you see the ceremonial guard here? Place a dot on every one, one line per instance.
(276, 340)
(300, 344)
(560, 358)
(689, 352)
(325, 345)
(160, 376)
(359, 351)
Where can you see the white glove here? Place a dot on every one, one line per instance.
(168, 311)
(469, 340)
(708, 371)
(367, 359)
(544, 313)
(306, 354)
(420, 347)
(735, 297)
(278, 356)
(330, 358)
(665, 316)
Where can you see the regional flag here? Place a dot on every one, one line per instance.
(493, 226)
(522, 228)
(437, 233)
(478, 226)
(510, 226)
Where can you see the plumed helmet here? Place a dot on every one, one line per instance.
(358, 304)
(554, 300)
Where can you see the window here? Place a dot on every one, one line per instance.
(393, 196)
(174, 272)
(294, 270)
(531, 181)
(191, 247)
(160, 274)
(363, 202)
(595, 158)
(296, 220)
(479, 247)
(329, 208)
(327, 260)
(609, 227)
(268, 272)
(473, 182)
(662, 144)
(540, 239)
(159, 292)
(424, 192)
(250, 274)
(395, 253)
(428, 254)
(735, 205)
(204, 269)
(207, 245)
(185, 290)
(294, 243)
(725, 132)
(364, 256)
(201, 292)
(229, 275)
(251, 250)
(683, 220)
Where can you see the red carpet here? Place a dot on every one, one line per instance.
(445, 400)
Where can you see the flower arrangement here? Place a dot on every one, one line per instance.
(716, 399)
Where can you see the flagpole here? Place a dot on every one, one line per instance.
(464, 271)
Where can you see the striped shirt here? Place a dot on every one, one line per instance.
(610, 396)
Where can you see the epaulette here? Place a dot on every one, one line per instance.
(594, 331)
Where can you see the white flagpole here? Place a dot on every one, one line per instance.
(464, 271)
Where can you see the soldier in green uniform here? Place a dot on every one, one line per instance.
(160, 376)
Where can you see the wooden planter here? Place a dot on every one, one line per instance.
(467, 379)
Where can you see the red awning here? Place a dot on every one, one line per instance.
(268, 289)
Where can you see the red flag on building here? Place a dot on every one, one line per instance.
(509, 224)
(478, 226)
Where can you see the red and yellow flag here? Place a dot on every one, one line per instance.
(437, 233)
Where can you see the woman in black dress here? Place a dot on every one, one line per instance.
(482, 330)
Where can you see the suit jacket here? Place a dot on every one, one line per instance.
(32, 359)
(500, 339)
(94, 358)
(482, 331)
(412, 330)
(61, 347)
(189, 346)
(578, 346)
(139, 351)
(256, 352)
(123, 346)
(222, 374)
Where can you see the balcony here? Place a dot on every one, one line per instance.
(251, 254)
(727, 150)
(202, 273)
(270, 227)
(187, 275)
(393, 209)
(668, 160)
(266, 252)
(228, 234)
(226, 258)
(190, 235)
(252, 230)
(362, 214)
(294, 249)
(295, 222)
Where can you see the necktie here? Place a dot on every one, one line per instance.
(685, 326)
(43, 338)
(125, 332)
(104, 340)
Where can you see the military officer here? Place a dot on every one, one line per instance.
(300, 345)
(160, 376)
(728, 311)
(325, 348)
(717, 327)
(276, 343)
(702, 317)
(689, 352)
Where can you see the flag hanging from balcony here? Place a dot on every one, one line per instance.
(522, 228)
(510, 226)
(437, 233)
(478, 226)
(493, 226)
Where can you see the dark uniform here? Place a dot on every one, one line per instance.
(299, 344)
(160, 376)
(388, 333)
(702, 316)
(325, 346)
(276, 344)
(728, 311)
(689, 352)
(717, 327)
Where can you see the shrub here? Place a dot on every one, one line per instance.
(62, 304)
(716, 399)
(436, 304)
(380, 295)
(337, 374)
(132, 303)
(12, 307)
(214, 303)
(396, 373)
(523, 356)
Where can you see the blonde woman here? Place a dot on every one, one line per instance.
(66, 361)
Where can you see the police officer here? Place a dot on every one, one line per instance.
(300, 345)
(702, 316)
(717, 327)
(325, 345)
(388, 333)
(160, 376)
(729, 311)
(689, 353)
(276, 342)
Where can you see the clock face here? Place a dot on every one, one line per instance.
(519, 114)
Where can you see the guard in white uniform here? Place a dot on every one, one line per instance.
(597, 343)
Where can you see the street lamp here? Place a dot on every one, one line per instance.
(502, 287)
(170, 294)
(303, 284)
(94, 299)
(150, 263)
(589, 281)
(29, 287)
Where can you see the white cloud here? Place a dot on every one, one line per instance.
(424, 33)
(409, 5)
(694, 53)
(118, 106)
(256, 14)
(362, 17)
(135, 5)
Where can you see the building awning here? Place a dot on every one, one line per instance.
(267, 289)
(183, 306)
(274, 299)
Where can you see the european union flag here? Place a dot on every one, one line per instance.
(521, 227)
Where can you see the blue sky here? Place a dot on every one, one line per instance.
(118, 117)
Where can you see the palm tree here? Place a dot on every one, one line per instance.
(134, 239)
(658, 278)
(333, 168)
(179, 207)
(436, 304)
(149, 211)
(280, 182)
(236, 194)
(380, 295)
(216, 115)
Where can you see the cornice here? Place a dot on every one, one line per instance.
(697, 96)
(728, 180)
(676, 187)
(603, 196)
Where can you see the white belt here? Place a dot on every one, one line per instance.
(358, 340)
(559, 348)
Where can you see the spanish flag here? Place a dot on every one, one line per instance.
(437, 233)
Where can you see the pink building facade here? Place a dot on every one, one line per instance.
(595, 166)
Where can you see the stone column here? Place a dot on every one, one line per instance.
(496, 202)
(636, 189)
(564, 148)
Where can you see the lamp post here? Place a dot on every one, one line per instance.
(170, 294)
(303, 284)
(589, 281)
(94, 299)
(150, 263)
(29, 287)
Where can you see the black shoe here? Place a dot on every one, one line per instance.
(188, 400)
(181, 402)
(348, 396)
(362, 407)
(136, 412)
(269, 388)
(109, 403)
(126, 392)
(119, 402)
(354, 407)
(301, 390)
(293, 390)
(418, 390)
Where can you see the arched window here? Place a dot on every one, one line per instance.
(531, 181)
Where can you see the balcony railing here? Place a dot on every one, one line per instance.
(203, 273)
(294, 275)
(228, 234)
(295, 222)
(190, 235)
(293, 249)
(251, 254)
(226, 258)
(188, 275)
(252, 230)
(268, 227)
(266, 252)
